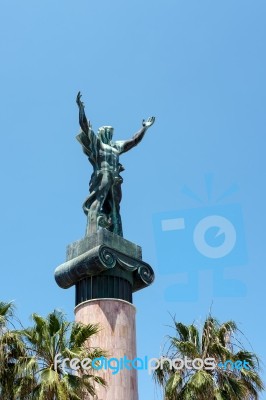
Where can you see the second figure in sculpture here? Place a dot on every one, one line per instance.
(102, 206)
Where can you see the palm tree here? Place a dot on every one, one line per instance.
(54, 336)
(11, 349)
(207, 379)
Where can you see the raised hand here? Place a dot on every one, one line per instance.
(84, 123)
(149, 122)
(78, 100)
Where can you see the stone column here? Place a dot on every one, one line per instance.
(106, 269)
(118, 337)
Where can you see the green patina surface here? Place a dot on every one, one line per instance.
(102, 206)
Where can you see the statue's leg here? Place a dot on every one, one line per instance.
(105, 183)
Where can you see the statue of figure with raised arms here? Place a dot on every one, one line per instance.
(102, 206)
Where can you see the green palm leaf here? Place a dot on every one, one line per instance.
(216, 341)
(27, 358)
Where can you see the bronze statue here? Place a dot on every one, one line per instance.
(102, 206)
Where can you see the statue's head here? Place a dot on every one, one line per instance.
(105, 134)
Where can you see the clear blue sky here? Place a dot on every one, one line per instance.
(199, 67)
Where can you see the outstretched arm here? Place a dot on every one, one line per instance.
(126, 145)
(86, 137)
(83, 122)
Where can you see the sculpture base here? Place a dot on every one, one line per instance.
(118, 337)
(104, 265)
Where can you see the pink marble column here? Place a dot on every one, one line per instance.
(118, 337)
